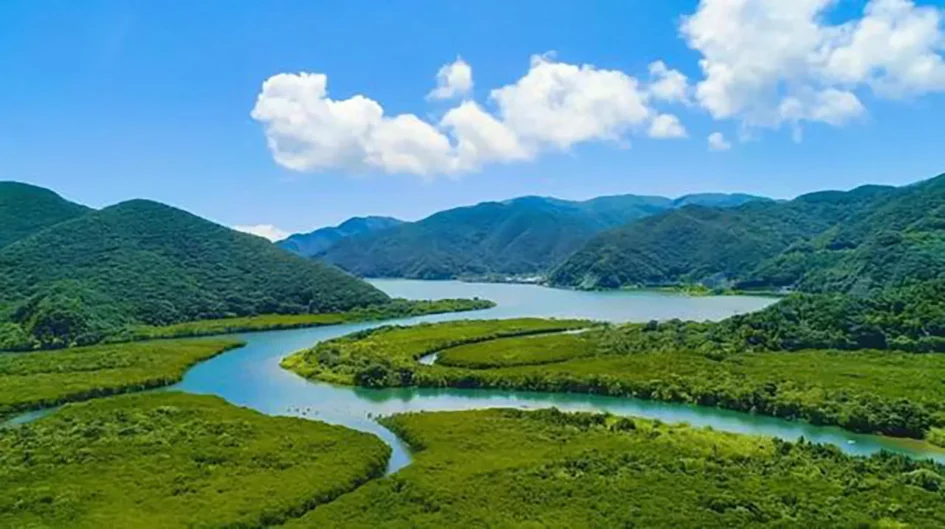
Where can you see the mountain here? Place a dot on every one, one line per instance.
(900, 240)
(710, 245)
(525, 235)
(141, 262)
(316, 242)
(27, 209)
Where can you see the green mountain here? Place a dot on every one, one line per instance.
(525, 235)
(27, 209)
(899, 240)
(141, 262)
(318, 241)
(710, 245)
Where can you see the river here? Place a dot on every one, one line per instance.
(251, 376)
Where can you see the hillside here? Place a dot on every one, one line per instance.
(901, 239)
(26, 209)
(711, 245)
(141, 262)
(316, 242)
(525, 235)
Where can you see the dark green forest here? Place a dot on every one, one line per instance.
(509, 468)
(517, 237)
(27, 209)
(170, 460)
(867, 239)
(144, 263)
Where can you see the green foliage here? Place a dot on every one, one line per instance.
(318, 241)
(710, 245)
(141, 262)
(26, 209)
(509, 468)
(517, 237)
(46, 378)
(518, 351)
(894, 393)
(396, 308)
(168, 460)
(387, 356)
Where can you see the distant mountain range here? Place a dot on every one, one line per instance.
(521, 236)
(316, 242)
(141, 262)
(869, 238)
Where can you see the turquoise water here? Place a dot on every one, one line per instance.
(251, 376)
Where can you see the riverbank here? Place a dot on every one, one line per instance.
(885, 392)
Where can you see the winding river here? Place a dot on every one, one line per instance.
(251, 376)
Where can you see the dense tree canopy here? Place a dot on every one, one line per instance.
(26, 209)
(509, 468)
(170, 460)
(141, 262)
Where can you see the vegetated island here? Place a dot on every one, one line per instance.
(835, 360)
(395, 309)
(42, 379)
(169, 460)
(512, 468)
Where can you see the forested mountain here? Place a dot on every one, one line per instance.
(26, 209)
(525, 235)
(141, 262)
(900, 239)
(715, 246)
(316, 242)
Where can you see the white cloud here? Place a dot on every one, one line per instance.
(774, 62)
(668, 85)
(666, 126)
(264, 230)
(553, 106)
(558, 105)
(453, 80)
(717, 142)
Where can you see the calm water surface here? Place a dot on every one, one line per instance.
(251, 376)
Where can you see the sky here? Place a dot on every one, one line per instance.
(285, 116)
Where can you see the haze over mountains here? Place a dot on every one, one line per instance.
(316, 242)
(521, 236)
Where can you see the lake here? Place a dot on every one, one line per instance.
(251, 376)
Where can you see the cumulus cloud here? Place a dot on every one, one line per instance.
(264, 230)
(665, 126)
(453, 80)
(553, 107)
(667, 84)
(773, 62)
(717, 142)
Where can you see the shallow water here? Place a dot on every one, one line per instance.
(251, 376)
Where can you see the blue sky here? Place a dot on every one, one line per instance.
(110, 100)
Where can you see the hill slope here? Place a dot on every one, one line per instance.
(710, 245)
(316, 242)
(899, 240)
(145, 262)
(27, 209)
(525, 235)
